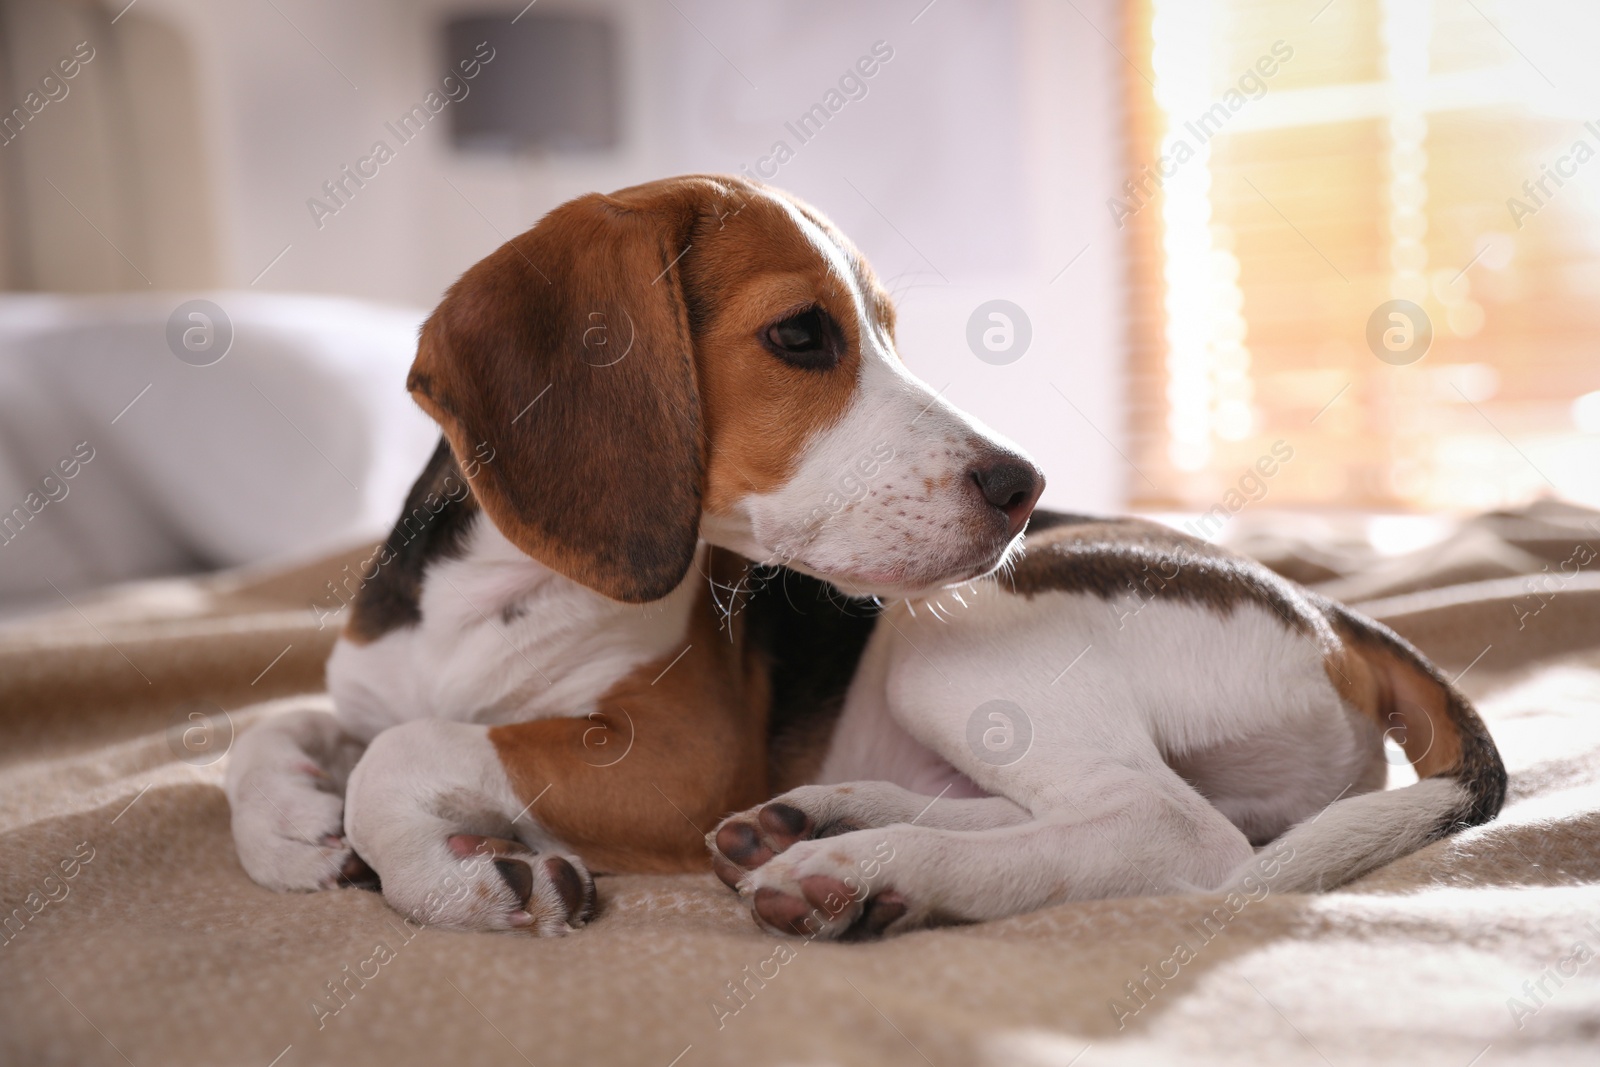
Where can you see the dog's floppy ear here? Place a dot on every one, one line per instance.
(566, 357)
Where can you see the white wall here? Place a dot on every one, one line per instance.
(976, 168)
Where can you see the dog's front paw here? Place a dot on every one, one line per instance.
(744, 842)
(824, 889)
(493, 883)
(289, 832)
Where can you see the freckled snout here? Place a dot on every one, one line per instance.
(1008, 484)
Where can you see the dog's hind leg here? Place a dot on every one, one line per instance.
(286, 784)
(745, 841)
(1115, 831)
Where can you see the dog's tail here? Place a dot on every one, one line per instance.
(1461, 781)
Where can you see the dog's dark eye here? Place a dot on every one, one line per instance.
(807, 340)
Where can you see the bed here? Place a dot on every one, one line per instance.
(131, 934)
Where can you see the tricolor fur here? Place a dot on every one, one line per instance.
(559, 664)
(598, 627)
(1185, 706)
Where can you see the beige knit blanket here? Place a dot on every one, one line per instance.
(132, 935)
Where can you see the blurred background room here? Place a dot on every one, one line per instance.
(1200, 257)
(1319, 279)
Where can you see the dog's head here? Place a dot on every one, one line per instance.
(707, 357)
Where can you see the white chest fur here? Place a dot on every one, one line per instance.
(502, 639)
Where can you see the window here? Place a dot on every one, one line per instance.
(1316, 188)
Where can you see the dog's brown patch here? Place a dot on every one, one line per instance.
(1376, 671)
(697, 735)
(1137, 561)
(754, 268)
(605, 460)
(1398, 689)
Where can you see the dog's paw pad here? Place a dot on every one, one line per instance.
(747, 841)
(519, 877)
(551, 894)
(784, 824)
(815, 891)
(825, 906)
(741, 843)
(355, 874)
(575, 889)
(827, 893)
(782, 911)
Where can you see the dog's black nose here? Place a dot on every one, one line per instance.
(1010, 484)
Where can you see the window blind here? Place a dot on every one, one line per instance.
(1365, 255)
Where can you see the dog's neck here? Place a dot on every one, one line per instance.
(494, 576)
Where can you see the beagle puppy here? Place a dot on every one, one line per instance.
(1128, 710)
(547, 669)
(550, 669)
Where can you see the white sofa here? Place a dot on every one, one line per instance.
(299, 439)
